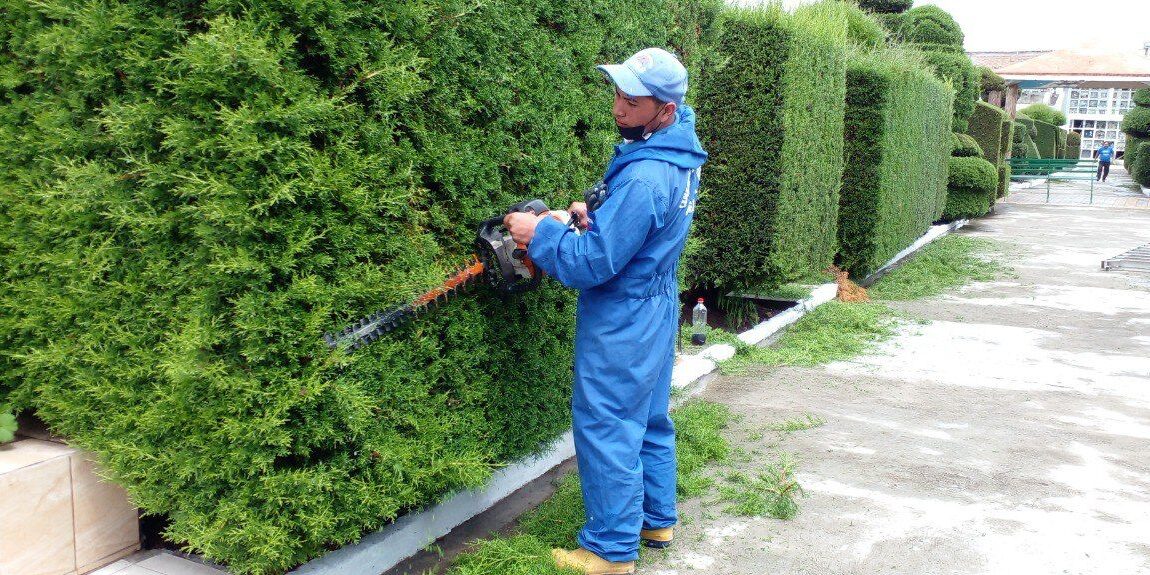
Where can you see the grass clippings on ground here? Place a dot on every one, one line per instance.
(948, 262)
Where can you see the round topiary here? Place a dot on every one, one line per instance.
(1141, 168)
(1136, 122)
(1044, 113)
(972, 174)
(964, 146)
(886, 6)
(931, 25)
(1142, 97)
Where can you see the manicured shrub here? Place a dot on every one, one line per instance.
(932, 28)
(772, 120)
(1047, 139)
(1044, 113)
(193, 192)
(1130, 156)
(865, 30)
(1003, 180)
(964, 146)
(886, 6)
(961, 73)
(1141, 171)
(897, 143)
(1141, 97)
(1073, 144)
(985, 127)
(1136, 122)
(1007, 135)
(990, 81)
(971, 189)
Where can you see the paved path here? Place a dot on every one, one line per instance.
(1009, 434)
(1118, 191)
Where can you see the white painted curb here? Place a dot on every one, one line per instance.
(1145, 190)
(386, 548)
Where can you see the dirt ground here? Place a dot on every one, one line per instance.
(1009, 433)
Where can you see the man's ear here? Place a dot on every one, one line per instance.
(669, 109)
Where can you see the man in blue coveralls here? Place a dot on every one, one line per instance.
(1105, 154)
(624, 265)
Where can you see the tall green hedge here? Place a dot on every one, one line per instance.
(1136, 125)
(193, 192)
(932, 28)
(1073, 145)
(1141, 173)
(985, 127)
(1047, 139)
(897, 143)
(771, 116)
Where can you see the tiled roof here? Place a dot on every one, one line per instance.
(998, 60)
(1089, 60)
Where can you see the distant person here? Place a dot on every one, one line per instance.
(1104, 154)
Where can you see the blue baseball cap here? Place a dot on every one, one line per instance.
(650, 72)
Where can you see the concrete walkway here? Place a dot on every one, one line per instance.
(1118, 191)
(1007, 434)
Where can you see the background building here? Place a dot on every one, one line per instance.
(1092, 85)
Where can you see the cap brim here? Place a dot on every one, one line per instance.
(625, 79)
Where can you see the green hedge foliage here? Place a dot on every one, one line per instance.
(1141, 97)
(1141, 171)
(932, 28)
(985, 127)
(961, 73)
(964, 146)
(1003, 181)
(897, 144)
(865, 30)
(1047, 139)
(991, 82)
(971, 188)
(1130, 156)
(1044, 113)
(886, 6)
(1136, 122)
(772, 119)
(193, 192)
(1073, 144)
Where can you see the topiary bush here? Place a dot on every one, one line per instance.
(932, 28)
(971, 188)
(1073, 144)
(1136, 122)
(1003, 181)
(1047, 139)
(772, 121)
(964, 146)
(1130, 156)
(193, 192)
(897, 143)
(1141, 97)
(1044, 113)
(985, 126)
(865, 30)
(1141, 171)
(961, 73)
(990, 81)
(886, 6)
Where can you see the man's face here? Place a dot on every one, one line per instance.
(631, 111)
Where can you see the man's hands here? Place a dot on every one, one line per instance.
(521, 225)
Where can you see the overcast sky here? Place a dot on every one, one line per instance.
(1005, 25)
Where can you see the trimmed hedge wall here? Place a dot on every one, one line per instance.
(886, 6)
(897, 143)
(193, 192)
(957, 68)
(971, 188)
(1141, 173)
(1047, 139)
(1073, 145)
(772, 120)
(986, 128)
(964, 146)
(1136, 124)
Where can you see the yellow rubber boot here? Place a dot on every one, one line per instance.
(589, 563)
(657, 538)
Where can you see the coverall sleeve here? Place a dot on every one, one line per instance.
(619, 228)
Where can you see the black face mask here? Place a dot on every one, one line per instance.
(633, 133)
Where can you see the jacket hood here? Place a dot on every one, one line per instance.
(676, 144)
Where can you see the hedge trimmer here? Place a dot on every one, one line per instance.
(498, 260)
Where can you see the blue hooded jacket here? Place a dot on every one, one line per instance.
(625, 267)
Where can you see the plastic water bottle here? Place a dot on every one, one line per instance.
(699, 323)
